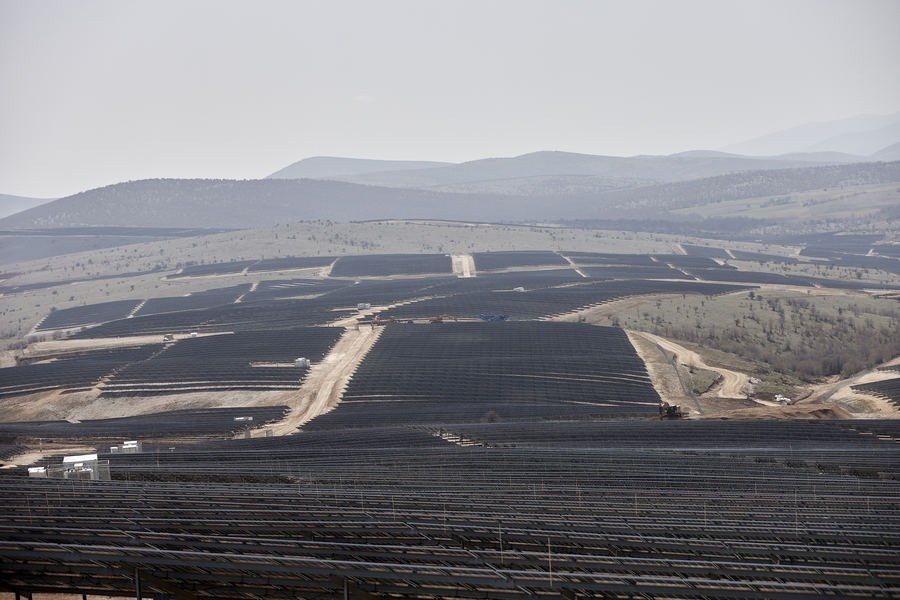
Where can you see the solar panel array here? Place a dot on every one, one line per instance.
(462, 372)
(889, 389)
(375, 265)
(241, 361)
(79, 316)
(69, 372)
(555, 509)
(547, 301)
(488, 261)
(181, 424)
(198, 300)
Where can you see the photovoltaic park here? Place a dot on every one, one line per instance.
(431, 426)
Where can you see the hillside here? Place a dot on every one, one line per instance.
(10, 205)
(199, 203)
(635, 203)
(892, 152)
(332, 167)
(253, 203)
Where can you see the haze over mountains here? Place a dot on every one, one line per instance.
(542, 186)
(486, 175)
(258, 203)
(327, 167)
(863, 135)
(10, 205)
(857, 139)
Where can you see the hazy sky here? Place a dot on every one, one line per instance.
(96, 92)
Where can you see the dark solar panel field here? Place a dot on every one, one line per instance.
(889, 389)
(730, 509)
(198, 300)
(453, 372)
(290, 263)
(380, 265)
(225, 362)
(79, 371)
(706, 251)
(195, 423)
(489, 261)
(476, 460)
(544, 302)
(225, 268)
(79, 316)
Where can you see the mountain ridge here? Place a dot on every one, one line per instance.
(325, 167)
(841, 135)
(11, 204)
(254, 203)
(556, 163)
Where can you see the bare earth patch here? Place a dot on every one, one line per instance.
(840, 393)
(732, 384)
(662, 372)
(81, 406)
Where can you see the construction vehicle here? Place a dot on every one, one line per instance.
(671, 411)
(377, 320)
(441, 318)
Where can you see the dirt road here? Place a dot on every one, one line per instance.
(321, 390)
(662, 372)
(38, 349)
(732, 383)
(842, 393)
(574, 266)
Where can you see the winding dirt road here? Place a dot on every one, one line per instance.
(732, 383)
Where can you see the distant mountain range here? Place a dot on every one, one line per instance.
(863, 136)
(539, 186)
(541, 175)
(10, 205)
(258, 203)
(329, 167)
(890, 153)
(549, 173)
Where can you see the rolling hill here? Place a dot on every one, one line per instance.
(231, 204)
(332, 167)
(226, 204)
(658, 200)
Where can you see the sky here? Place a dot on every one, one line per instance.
(97, 92)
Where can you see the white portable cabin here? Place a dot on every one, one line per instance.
(302, 363)
(128, 447)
